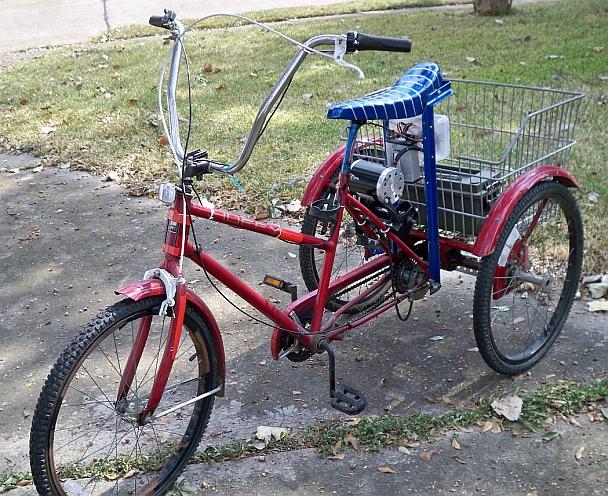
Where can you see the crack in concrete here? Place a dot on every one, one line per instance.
(106, 17)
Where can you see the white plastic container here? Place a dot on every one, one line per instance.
(412, 162)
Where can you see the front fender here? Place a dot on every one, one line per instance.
(154, 287)
(497, 218)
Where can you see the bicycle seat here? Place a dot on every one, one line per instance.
(406, 98)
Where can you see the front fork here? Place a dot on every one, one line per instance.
(169, 273)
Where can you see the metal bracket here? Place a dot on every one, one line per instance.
(170, 284)
(339, 51)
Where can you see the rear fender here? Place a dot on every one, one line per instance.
(154, 287)
(322, 176)
(497, 218)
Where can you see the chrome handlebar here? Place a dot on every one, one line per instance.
(172, 129)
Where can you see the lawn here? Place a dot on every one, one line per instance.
(100, 98)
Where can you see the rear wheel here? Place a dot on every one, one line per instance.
(526, 288)
(82, 442)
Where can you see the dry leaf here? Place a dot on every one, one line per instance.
(509, 407)
(579, 453)
(24, 101)
(386, 470)
(266, 433)
(434, 432)
(337, 456)
(574, 422)
(352, 440)
(336, 448)
(427, 455)
(496, 428)
(132, 102)
(163, 141)
(448, 401)
(455, 443)
(404, 450)
(207, 68)
(415, 444)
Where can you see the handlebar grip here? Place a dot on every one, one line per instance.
(157, 21)
(360, 42)
(163, 21)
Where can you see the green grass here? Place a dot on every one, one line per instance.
(369, 433)
(100, 98)
(283, 14)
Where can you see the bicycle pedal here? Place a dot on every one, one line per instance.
(348, 400)
(282, 285)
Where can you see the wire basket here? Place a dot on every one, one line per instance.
(497, 132)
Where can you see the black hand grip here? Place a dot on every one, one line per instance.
(158, 21)
(360, 42)
(163, 21)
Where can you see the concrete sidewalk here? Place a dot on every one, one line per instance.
(36, 23)
(70, 239)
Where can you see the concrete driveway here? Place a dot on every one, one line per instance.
(37, 23)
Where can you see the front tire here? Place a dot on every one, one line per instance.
(516, 321)
(81, 444)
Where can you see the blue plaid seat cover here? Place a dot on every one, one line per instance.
(406, 98)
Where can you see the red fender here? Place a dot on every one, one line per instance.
(322, 176)
(497, 218)
(154, 287)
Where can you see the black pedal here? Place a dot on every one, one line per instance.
(348, 400)
(282, 285)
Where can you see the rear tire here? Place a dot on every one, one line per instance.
(81, 444)
(516, 321)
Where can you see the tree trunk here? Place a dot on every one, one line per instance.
(492, 7)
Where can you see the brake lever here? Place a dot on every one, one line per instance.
(340, 51)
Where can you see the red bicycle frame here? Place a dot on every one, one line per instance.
(178, 226)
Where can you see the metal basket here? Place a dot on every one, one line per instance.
(497, 132)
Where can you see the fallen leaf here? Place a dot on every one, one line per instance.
(386, 470)
(337, 456)
(337, 448)
(598, 306)
(496, 428)
(352, 440)
(579, 454)
(434, 432)
(415, 444)
(574, 422)
(47, 129)
(132, 102)
(24, 482)
(24, 101)
(163, 141)
(207, 68)
(266, 433)
(220, 87)
(472, 60)
(404, 450)
(604, 411)
(455, 444)
(427, 455)
(487, 426)
(508, 406)
(448, 401)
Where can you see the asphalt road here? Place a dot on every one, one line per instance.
(37, 23)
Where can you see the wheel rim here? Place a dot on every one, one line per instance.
(93, 449)
(528, 294)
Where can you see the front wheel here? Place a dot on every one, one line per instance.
(525, 289)
(84, 442)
